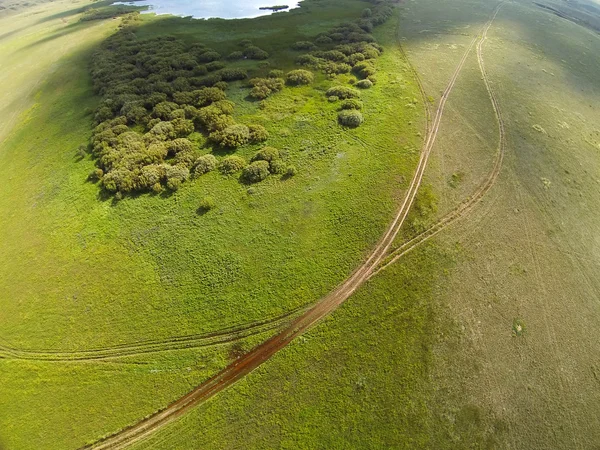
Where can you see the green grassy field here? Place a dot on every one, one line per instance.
(484, 337)
(80, 272)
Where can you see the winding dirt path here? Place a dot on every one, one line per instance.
(468, 204)
(153, 346)
(253, 359)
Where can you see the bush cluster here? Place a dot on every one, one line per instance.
(206, 204)
(299, 77)
(303, 45)
(131, 13)
(347, 48)
(350, 118)
(351, 103)
(204, 164)
(232, 164)
(253, 52)
(342, 92)
(155, 94)
(255, 172)
(364, 84)
(263, 87)
(268, 160)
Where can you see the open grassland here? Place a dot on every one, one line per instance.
(79, 272)
(358, 380)
(533, 255)
(485, 338)
(158, 259)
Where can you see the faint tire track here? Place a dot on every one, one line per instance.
(257, 356)
(468, 204)
(153, 346)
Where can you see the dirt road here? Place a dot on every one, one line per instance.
(467, 205)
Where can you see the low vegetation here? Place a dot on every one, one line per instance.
(109, 273)
(350, 118)
(156, 94)
(160, 94)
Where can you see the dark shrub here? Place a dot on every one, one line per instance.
(151, 175)
(121, 180)
(263, 87)
(255, 172)
(182, 127)
(307, 60)
(277, 167)
(102, 114)
(355, 58)
(276, 73)
(209, 95)
(370, 51)
(96, 175)
(342, 92)
(206, 81)
(235, 56)
(209, 56)
(336, 68)
(299, 77)
(215, 117)
(175, 176)
(215, 65)
(303, 45)
(155, 98)
(206, 204)
(184, 98)
(291, 171)
(350, 118)
(366, 25)
(232, 164)
(233, 74)
(364, 69)
(200, 70)
(323, 40)
(258, 133)
(260, 92)
(351, 103)
(185, 159)
(253, 52)
(179, 145)
(232, 137)
(334, 55)
(163, 131)
(266, 154)
(204, 164)
(165, 110)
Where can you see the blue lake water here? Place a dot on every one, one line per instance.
(206, 9)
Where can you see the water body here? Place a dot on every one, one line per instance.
(206, 9)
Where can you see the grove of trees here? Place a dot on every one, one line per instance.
(158, 92)
(155, 94)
